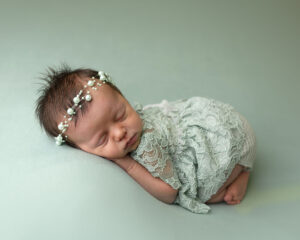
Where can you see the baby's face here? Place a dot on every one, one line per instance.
(107, 126)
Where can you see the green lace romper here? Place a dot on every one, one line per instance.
(193, 145)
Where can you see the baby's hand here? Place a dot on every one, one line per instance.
(125, 163)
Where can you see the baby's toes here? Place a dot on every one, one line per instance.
(233, 202)
(231, 197)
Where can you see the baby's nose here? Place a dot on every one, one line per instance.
(120, 133)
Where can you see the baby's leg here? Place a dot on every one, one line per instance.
(234, 174)
(219, 196)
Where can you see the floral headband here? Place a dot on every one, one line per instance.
(93, 83)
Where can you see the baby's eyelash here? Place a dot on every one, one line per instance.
(123, 116)
(101, 141)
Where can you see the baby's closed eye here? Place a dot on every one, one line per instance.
(122, 116)
(101, 141)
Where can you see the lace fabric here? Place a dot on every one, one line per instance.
(191, 144)
(153, 150)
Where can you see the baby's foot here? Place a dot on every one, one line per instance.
(237, 190)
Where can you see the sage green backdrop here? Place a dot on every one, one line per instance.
(245, 53)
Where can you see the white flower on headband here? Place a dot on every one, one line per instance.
(59, 140)
(62, 127)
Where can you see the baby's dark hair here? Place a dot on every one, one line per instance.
(56, 96)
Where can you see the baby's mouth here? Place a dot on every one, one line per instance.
(132, 140)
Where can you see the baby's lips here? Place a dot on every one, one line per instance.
(130, 140)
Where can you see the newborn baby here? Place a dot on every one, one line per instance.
(189, 152)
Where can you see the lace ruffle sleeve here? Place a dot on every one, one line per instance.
(153, 152)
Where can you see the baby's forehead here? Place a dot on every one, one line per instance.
(106, 96)
(104, 101)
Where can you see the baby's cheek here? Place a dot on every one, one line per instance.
(139, 121)
(114, 152)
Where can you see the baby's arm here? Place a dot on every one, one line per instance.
(155, 186)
